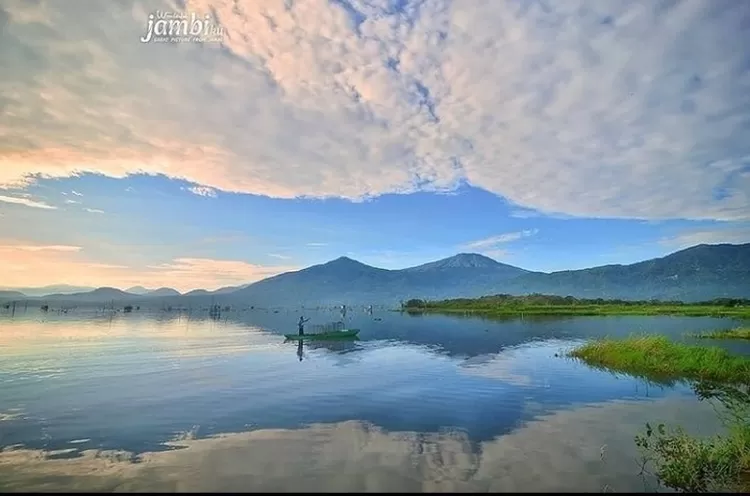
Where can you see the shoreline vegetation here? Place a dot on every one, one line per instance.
(737, 333)
(678, 460)
(539, 304)
(658, 359)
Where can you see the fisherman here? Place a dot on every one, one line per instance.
(301, 325)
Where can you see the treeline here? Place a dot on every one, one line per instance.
(506, 300)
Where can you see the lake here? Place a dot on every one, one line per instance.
(132, 402)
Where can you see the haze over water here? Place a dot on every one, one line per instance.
(418, 403)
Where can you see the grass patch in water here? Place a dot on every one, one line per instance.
(738, 333)
(657, 358)
(680, 461)
(688, 464)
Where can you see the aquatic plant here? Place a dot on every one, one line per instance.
(737, 333)
(656, 358)
(678, 460)
(716, 464)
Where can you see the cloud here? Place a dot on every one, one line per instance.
(692, 237)
(493, 241)
(560, 107)
(63, 248)
(72, 202)
(279, 256)
(76, 193)
(494, 245)
(355, 456)
(316, 245)
(28, 265)
(202, 191)
(26, 201)
(94, 210)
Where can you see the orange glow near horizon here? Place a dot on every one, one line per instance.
(28, 265)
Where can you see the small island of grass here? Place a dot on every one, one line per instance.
(682, 462)
(538, 304)
(738, 333)
(657, 358)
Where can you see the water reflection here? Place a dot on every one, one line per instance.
(557, 452)
(130, 382)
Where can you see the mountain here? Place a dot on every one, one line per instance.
(164, 292)
(99, 295)
(138, 290)
(198, 292)
(228, 289)
(334, 282)
(701, 272)
(348, 281)
(11, 295)
(463, 261)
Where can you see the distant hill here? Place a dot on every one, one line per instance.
(198, 292)
(703, 272)
(11, 295)
(138, 290)
(164, 292)
(228, 289)
(99, 295)
(48, 290)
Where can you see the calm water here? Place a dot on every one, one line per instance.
(425, 403)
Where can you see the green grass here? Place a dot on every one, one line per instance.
(589, 310)
(678, 460)
(658, 359)
(688, 464)
(738, 333)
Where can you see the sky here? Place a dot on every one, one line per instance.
(550, 135)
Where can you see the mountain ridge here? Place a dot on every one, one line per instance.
(699, 272)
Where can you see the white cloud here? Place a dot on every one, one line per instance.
(612, 109)
(279, 256)
(317, 245)
(202, 191)
(94, 210)
(76, 193)
(500, 239)
(26, 201)
(63, 248)
(494, 245)
(72, 202)
(692, 237)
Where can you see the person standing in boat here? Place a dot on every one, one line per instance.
(301, 325)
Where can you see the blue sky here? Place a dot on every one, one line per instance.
(548, 135)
